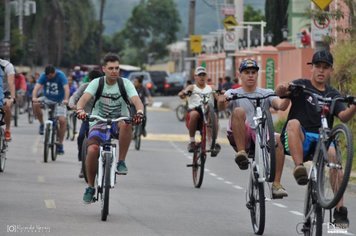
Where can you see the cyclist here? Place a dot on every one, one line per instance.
(21, 88)
(300, 133)
(240, 130)
(194, 114)
(9, 94)
(143, 93)
(56, 90)
(84, 128)
(111, 105)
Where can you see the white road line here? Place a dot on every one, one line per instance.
(296, 213)
(238, 187)
(212, 174)
(50, 203)
(41, 179)
(220, 178)
(280, 205)
(228, 182)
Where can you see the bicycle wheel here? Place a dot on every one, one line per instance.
(334, 170)
(212, 125)
(138, 131)
(313, 218)
(106, 188)
(83, 154)
(181, 111)
(268, 146)
(256, 205)
(74, 126)
(198, 167)
(54, 142)
(46, 143)
(16, 114)
(2, 150)
(30, 115)
(68, 130)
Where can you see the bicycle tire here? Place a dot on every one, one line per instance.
(83, 153)
(181, 112)
(2, 151)
(30, 115)
(257, 206)
(106, 188)
(16, 114)
(54, 142)
(138, 131)
(212, 124)
(46, 143)
(341, 139)
(313, 225)
(198, 167)
(74, 128)
(268, 146)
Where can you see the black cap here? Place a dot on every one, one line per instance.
(322, 56)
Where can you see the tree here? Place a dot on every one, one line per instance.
(152, 25)
(250, 14)
(276, 18)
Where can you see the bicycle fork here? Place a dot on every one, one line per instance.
(107, 155)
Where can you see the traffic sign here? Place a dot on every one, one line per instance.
(230, 22)
(320, 28)
(322, 4)
(230, 40)
(196, 43)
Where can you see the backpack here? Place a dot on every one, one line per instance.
(122, 89)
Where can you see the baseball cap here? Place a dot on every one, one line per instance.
(200, 70)
(322, 56)
(247, 64)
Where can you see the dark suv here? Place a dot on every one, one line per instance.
(159, 80)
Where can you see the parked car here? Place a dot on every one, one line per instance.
(147, 81)
(174, 83)
(159, 80)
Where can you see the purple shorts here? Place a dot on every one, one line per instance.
(249, 139)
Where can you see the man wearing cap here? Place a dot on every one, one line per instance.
(240, 130)
(194, 116)
(300, 132)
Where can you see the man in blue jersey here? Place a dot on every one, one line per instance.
(56, 91)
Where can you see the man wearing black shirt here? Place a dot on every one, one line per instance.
(300, 132)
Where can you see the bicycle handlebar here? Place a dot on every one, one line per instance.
(236, 96)
(108, 120)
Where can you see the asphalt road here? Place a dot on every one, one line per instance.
(157, 196)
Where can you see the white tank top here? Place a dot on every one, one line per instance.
(194, 99)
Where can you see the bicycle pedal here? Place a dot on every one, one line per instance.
(249, 206)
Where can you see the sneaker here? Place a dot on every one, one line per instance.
(301, 175)
(7, 136)
(215, 151)
(191, 147)
(340, 218)
(121, 168)
(59, 149)
(41, 129)
(241, 160)
(88, 196)
(278, 191)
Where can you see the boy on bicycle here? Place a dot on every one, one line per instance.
(240, 130)
(300, 133)
(194, 114)
(110, 104)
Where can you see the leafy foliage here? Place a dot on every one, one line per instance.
(276, 18)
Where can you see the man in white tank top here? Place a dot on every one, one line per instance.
(240, 130)
(194, 113)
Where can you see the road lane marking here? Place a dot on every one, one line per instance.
(296, 213)
(280, 205)
(220, 178)
(228, 182)
(50, 203)
(212, 174)
(41, 179)
(238, 187)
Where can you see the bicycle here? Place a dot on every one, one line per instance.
(323, 192)
(71, 124)
(51, 127)
(138, 129)
(3, 143)
(209, 124)
(15, 113)
(262, 157)
(181, 111)
(106, 177)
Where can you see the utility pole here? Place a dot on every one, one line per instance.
(5, 43)
(191, 29)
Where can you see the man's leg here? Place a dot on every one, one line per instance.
(296, 138)
(91, 166)
(7, 118)
(277, 189)
(125, 136)
(238, 128)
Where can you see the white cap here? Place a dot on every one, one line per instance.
(200, 70)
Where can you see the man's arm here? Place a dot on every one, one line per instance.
(280, 104)
(66, 93)
(222, 103)
(182, 93)
(35, 91)
(136, 101)
(83, 101)
(11, 82)
(347, 114)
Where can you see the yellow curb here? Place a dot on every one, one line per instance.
(177, 138)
